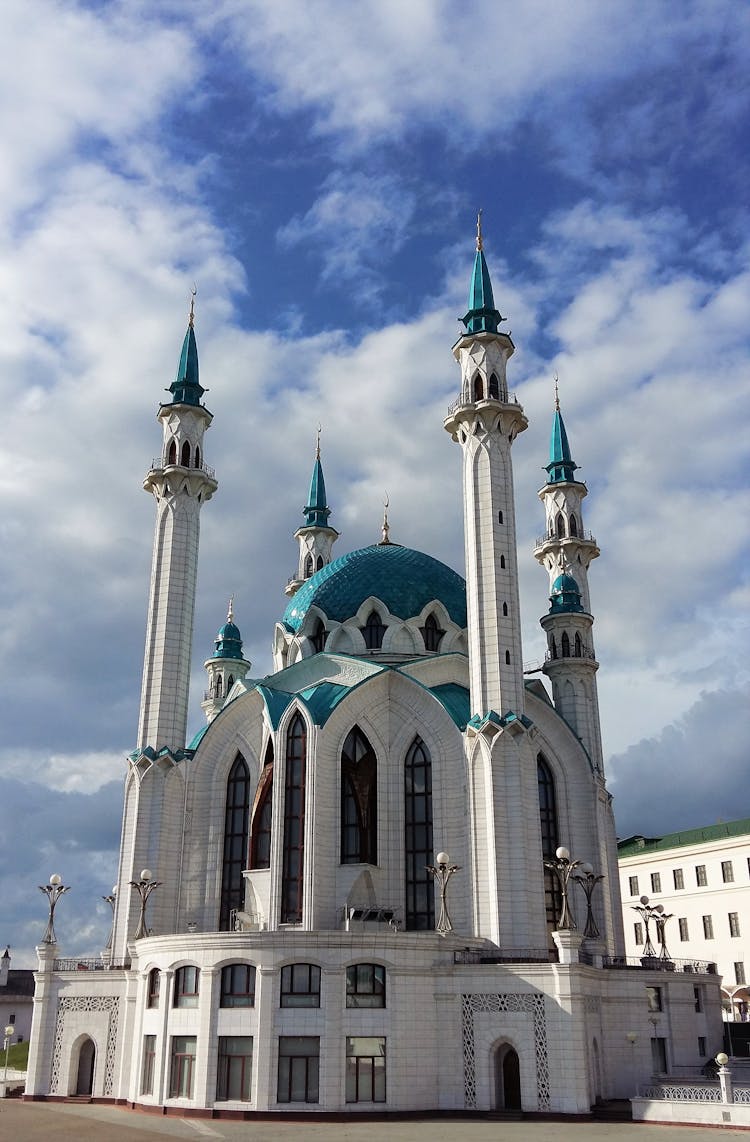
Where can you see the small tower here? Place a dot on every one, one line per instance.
(180, 483)
(485, 421)
(566, 551)
(225, 666)
(315, 537)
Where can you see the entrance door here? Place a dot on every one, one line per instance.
(507, 1079)
(86, 1061)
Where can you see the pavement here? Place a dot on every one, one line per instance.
(75, 1122)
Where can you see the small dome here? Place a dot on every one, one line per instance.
(228, 641)
(566, 595)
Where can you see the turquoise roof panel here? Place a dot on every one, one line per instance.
(276, 702)
(322, 700)
(317, 510)
(566, 595)
(455, 700)
(482, 317)
(561, 466)
(404, 579)
(186, 387)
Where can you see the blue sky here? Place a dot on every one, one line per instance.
(316, 170)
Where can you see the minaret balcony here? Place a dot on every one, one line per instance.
(554, 539)
(159, 464)
(584, 653)
(462, 403)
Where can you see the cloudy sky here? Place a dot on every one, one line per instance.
(315, 168)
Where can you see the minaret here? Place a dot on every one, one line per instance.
(566, 551)
(225, 666)
(180, 483)
(485, 421)
(315, 537)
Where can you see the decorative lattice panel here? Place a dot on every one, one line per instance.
(109, 1003)
(532, 1005)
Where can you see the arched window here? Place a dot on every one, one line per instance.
(154, 987)
(478, 387)
(308, 567)
(505, 610)
(172, 452)
(550, 838)
(431, 633)
(219, 686)
(560, 525)
(420, 896)
(565, 644)
(359, 786)
(318, 637)
(578, 646)
(236, 818)
(230, 682)
(573, 525)
(553, 647)
(499, 517)
(373, 631)
(197, 457)
(260, 831)
(494, 387)
(319, 563)
(502, 561)
(185, 455)
(507, 658)
(293, 852)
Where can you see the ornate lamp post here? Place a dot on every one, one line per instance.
(144, 887)
(53, 891)
(111, 900)
(648, 912)
(442, 872)
(588, 881)
(563, 868)
(661, 923)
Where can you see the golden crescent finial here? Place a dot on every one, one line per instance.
(191, 317)
(480, 245)
(386, 526)
(230, 610)
(557, 395)
(317, 442)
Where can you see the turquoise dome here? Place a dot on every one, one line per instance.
(566, 595)
(404, 579)
(228, 642)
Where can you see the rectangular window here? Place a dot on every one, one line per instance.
(300, 986)
(365, 985)
(656, 882)
(659, 1055)
(299, 1060)
(365, 1069)
(702, 1046)
(186, 986)
(638, 932)
(149, 1060)
(633, 885)
(679, 879)
(734, 923)
(708, 928)
(235, 1069)
(739, 972)
(237, 985)
(653, 998)
(700, 875)
(698, 998)
(683, 925)
(727, 872)
(182, 1066)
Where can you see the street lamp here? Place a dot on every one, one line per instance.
(111, 900)
(588, 881)
(53, 891)
(442, 872)
(144, 887)
(563, 868)
(9, 1033)
(649, 912)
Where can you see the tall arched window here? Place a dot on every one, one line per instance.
(494, 387)
(185, 455)
(197, 457)
(292, 868)
(553, 647)
(573, 525)
(578, 646)
(431, 633)
(359, 799)
(505, 610)
(550, 838)
(420, 896)
(172, 452)
(318, 637)
(308, 566)
(260, 830)
(373, 631)
(560, 526)
(236, 818)
(319, 563)
(565, 640)
(478, 387)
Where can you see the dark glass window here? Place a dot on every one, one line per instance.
(502, 561)
(700, 875)
(299, 1059)
(149, 1061)
(373, 631)
(565, 644)
(182, 1067)
(359, 782)
(154, 984)
(560, 525)
(300, 985)
(236, 820)
(319, 563)
(550, 838)
(578, 645)
(432, 634)
(260, 833)
(294, 823)
(185, 455)
(186, 986)
(683, 926)
(573, 525)
(494, 387)
(365, 1068)
(172, 452)
(237, 985)
(308, 567)
(420, 896)
(478, 387)
(235, 1068)
(505, 610)
(197, 457)
(507, 658)
(318, 638)
(365, 985)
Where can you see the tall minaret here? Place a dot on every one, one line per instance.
(485, 421)
(566, 551)
(315, 537)
(180, 483)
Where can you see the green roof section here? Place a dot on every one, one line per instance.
(317, 510)
(186, 387)
(455, 701)
(228, 641)
(561, 466)
(642, 846)
(403, 579)
(566, 596)
(482, 316)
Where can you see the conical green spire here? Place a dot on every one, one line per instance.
(561, 465)
(186, 388)
(317, 510)
(482, 316)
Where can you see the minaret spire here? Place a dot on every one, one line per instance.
(316, 538)
(226, 665)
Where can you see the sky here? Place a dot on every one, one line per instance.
(315, 170)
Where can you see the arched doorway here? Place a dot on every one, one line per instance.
(86, 1063)
(507, 1078)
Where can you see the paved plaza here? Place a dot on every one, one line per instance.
(65, 1122)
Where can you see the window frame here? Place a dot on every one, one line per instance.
(153, 988)
(683, 928)
(237, 998)
(358, 993)
(701, 878)
(678, 878)
(182, 1066)
(708, 928)
(633, 886)
(148, 1064)
(363, 1074)
(290, 995)
(311, 1068)
(656, 882)
(727, 872)
(734, 924)
(181, 996)
(224, 1069)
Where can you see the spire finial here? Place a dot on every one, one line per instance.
(230, 610)
(317, 442)
(557, 395)
(386, 526)
(191, 316)
(480, 245)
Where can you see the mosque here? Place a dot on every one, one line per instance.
(384, 877)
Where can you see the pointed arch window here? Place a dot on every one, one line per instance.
(565, 644)
(293, 852)
(420, 896)
(373, 631)
(197, 457)
(308, 567)
(318, 637)
(573, 525)
(172, 452)
(260, 831)
(560, 523)
(505, 610)
(431, 633)
(319, 563)
(550, 838)
(359, 791)
(553, 647)
(236, 817)
(478, 387)
(502, 561)
(185, 455)
(578, 646)
(494, 387)
(219, 686)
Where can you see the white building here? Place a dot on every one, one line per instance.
(300, 957)
(16, 998)
(702, 879)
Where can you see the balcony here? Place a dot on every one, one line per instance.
(584, 537)
(158, 464)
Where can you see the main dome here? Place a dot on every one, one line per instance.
(404, 579)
